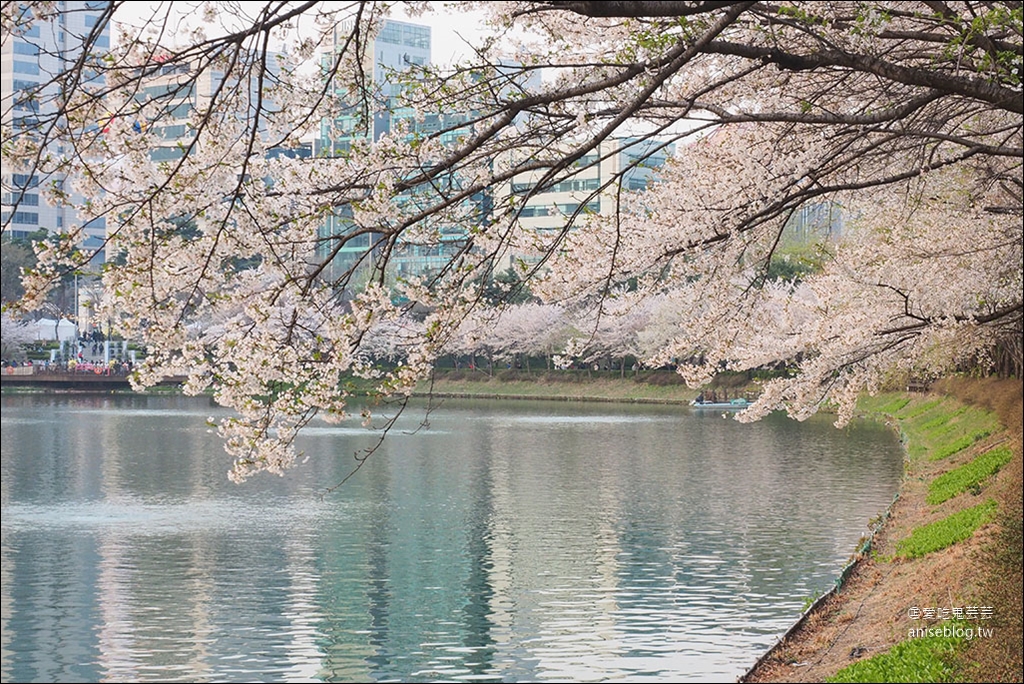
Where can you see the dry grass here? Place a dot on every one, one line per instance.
(1000, 659)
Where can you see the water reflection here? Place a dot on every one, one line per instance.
(508, 542)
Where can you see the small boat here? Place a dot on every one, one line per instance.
(732, 405)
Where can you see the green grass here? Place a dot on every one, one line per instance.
(914, 409)
(926, 659)
(661, 387)
(892, 405)
(968, 476)
(939, 428)
(896, 405)
(959, 444)
(946, 532)
(935, 428)
(942, 419)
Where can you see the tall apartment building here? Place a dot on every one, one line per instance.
(369, 115)
(32, 63)
(592, 187)
(396, 51)
(179, 90)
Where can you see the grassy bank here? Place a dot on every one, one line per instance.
(939, 597)
(966, 446)
(645, 386)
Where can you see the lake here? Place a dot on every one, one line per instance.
(502, 541)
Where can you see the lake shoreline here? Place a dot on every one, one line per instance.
(815, 637)
(872, 610)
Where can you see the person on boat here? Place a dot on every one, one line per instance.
(700, 398)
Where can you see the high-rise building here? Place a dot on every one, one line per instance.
(393, 56)
(591, 187)
(33, 62)
(629, 163)
(367, 115)
(179, 89)
(398, 47)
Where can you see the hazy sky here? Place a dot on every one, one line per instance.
(449, 30)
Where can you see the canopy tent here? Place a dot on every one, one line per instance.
(48, 329)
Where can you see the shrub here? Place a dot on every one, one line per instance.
(947, 450)
(946, 532)
(969, 475)
(927, 659)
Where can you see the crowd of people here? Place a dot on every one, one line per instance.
(116, 366)
(86, 355)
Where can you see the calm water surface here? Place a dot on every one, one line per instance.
(505, 542)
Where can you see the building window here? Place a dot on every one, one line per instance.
(416, 36)
(174, 69)
(23, 180)
(180, 111)
(172, 132)
(29, 200)
(26, 217)
(358, 242)
(573, 207)
(22, 48)
(577, 185)
(178, 90)
(26, 68)
(586, 160)
(31, 87)
(24, 123)
(27, 106)
(166, 153)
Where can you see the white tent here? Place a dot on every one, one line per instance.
(48, 329)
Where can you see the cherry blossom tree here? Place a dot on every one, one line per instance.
(15, 334)
(907, 115)
(524, 330)
(392, 341)
(611, 330)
